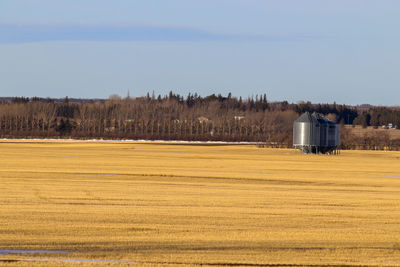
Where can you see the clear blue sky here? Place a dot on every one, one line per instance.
(346, 51)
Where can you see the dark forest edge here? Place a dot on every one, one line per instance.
(190, 118)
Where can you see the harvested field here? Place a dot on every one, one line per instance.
(160, 204)
(359, 131)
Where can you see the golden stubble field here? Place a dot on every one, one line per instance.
(159, 204)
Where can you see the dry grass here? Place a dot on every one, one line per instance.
(183, 204)
(359, 131)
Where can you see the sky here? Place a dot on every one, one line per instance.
(343, 51)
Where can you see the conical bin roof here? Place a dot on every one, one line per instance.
(322, 120)
(308, 118)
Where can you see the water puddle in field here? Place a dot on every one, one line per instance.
(28, 251)
(393, 176)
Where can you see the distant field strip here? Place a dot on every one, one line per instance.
(164, 204)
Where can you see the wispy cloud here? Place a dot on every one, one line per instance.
(12, 34)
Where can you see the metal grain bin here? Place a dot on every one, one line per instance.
(306, 133)
(332, 135)
(337, 136)
(323, 130)
(327, 131)
(313, 133)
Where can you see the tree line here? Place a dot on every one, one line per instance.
(177, 117)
